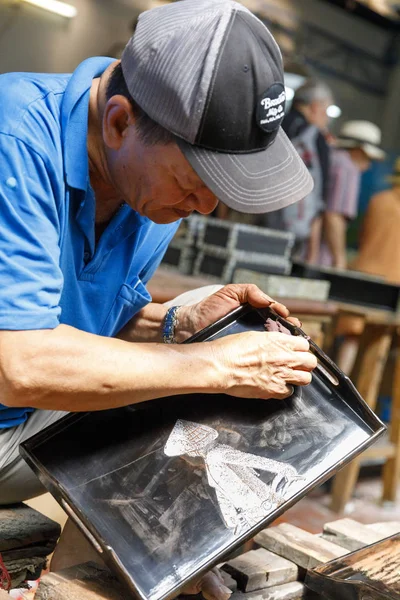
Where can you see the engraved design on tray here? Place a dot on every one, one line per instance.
(244, 500)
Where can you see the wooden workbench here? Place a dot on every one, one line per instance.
(167, 284)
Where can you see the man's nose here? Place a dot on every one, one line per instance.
(207, 202)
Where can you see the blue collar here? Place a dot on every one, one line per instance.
(74, 120)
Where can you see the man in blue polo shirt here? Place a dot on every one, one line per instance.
(96, 169)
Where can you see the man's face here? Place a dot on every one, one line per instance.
(157, 181)
(361, 160)
(318, 114)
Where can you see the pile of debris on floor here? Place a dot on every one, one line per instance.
(27, 538)
(346, 561)
(288, 556)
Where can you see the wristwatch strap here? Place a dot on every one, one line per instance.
(169, 326)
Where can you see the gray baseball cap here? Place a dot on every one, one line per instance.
(211, 73)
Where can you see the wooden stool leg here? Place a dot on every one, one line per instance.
(343, 486)
(391, 470)
(367, 376)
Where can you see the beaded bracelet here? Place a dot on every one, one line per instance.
(170, 323)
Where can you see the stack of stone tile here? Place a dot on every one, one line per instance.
(26, 539)
(274, 570)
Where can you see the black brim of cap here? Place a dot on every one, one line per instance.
(258, 182)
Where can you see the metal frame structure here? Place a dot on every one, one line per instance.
(330, 55)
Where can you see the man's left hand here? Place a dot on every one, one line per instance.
(194, 318)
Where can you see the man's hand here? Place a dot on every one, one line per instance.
(263, 365)
(194, 318)
(211, 585)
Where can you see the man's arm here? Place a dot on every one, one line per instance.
(146, 326)
(335, 229)
(68, 369)
(314, 241)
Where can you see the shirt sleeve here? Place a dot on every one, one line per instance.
(30, 275)
(344, 185)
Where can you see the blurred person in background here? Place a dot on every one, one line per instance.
(306, 125)
(356, 147)
(379, 254)
(379, 250)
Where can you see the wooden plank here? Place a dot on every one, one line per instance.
(22, 526)
(288, 591)
(229, 581)
(165, 286)
(260, 569)
(350, 534)
(367, 375)
(376, 451)
(372, 572)
(391, 470)
(89, 582)
(301, 547)
(387, 528)
(83, 582)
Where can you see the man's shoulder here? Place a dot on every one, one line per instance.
(386, 197)
(30, 102)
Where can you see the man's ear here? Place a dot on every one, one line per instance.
(117, 117)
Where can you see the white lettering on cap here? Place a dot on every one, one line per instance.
(268, 102)
(271, 108)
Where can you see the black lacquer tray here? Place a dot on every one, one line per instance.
(167, 489)
(371, 573)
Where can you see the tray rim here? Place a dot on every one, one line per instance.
(107, 553)
(317, 573)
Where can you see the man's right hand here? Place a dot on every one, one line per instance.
(263, 365)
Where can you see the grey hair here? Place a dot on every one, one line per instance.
(312, 90)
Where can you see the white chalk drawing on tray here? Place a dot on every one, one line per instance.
(244, 499)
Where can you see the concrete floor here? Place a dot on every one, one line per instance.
(313, 511)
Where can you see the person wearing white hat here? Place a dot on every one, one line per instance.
(305, 125)
(378, 254)
(358, 144)
(379, 248)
